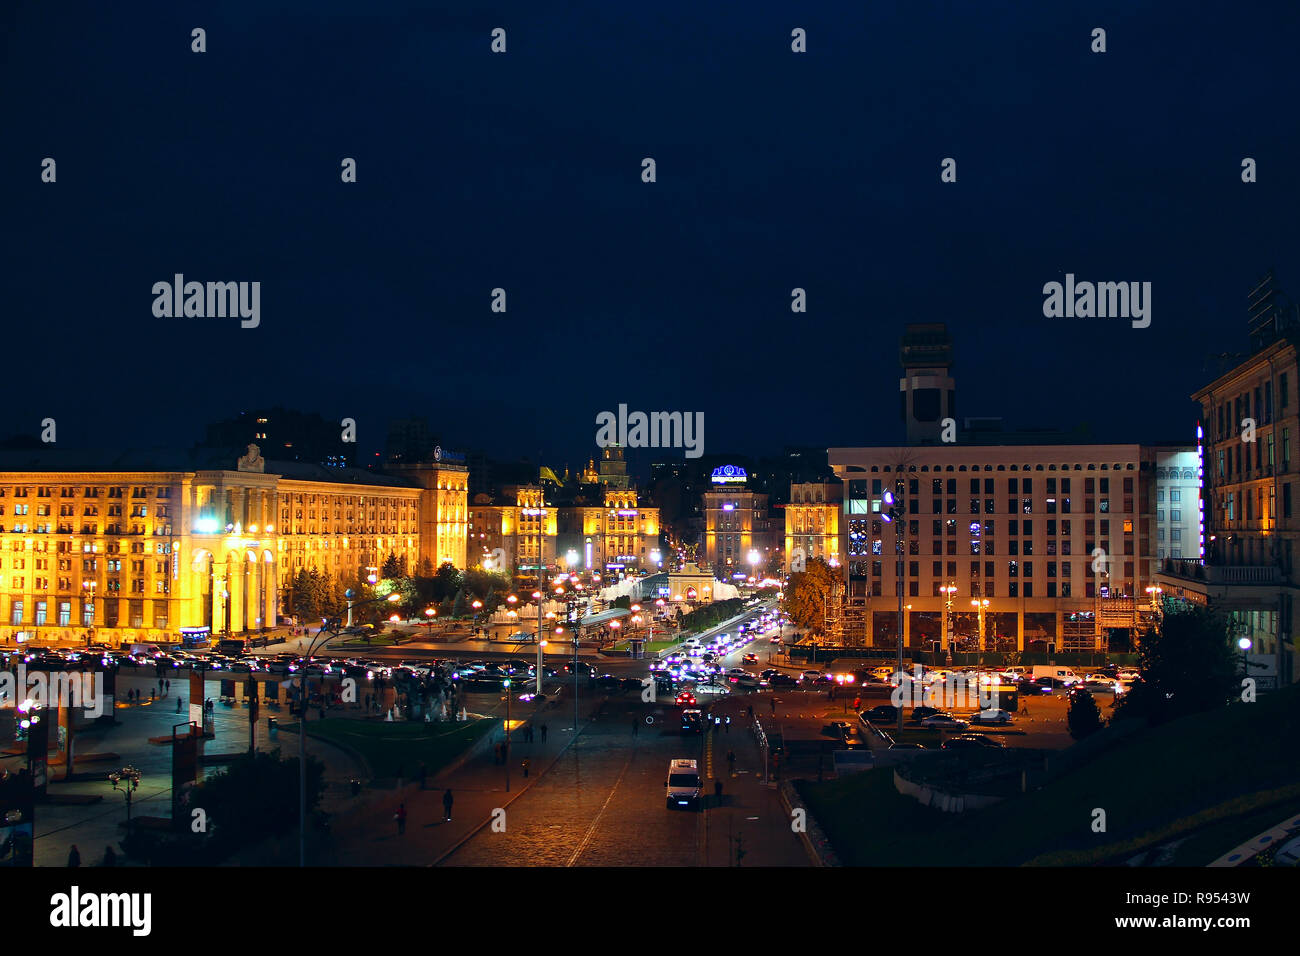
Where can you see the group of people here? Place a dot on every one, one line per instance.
(109, 858)
(399, 816)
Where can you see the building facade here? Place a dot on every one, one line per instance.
(1243, 560)
(136, 556)
(620, 536)
(812, 524)
(517, 536)
(1053, 543)
(739, 533)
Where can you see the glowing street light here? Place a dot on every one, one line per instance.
(981, 606)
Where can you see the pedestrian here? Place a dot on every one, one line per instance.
(717, 792)
(543, 733)
(169, 687)
(773, 703)
(178, 705)
(151, 695)
(526, 766)
(424, 774)
(636, 725)
(446, 804)
(751, 711)
(74, 856)
(400, 817)
(110, 858)
(731, 762)
(727, 724)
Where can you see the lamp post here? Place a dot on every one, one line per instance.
(429, 614)
(980, 606)
(538, 596)
(507, 685)
(948, 590)
(1244, 644)
(328, 629)
(128, 781)
(893, 510)
(89, 585)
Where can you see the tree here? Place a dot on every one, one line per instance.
(458, 606)
(393, 569)
(807, 595)
(1083, 717)
(446, 582)
(1187, 667)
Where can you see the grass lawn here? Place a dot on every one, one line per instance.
(651, 647)
(1201, 771)
(400, 745)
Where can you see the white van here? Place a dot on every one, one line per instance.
(1055, 670)
(683, 784)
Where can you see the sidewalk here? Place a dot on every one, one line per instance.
(368, 836)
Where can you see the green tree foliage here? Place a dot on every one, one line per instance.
(458, 606)
(446, 582)
(392, 569)
(479, 583)
(1083, 717)
(1188, 666)
(807, 595)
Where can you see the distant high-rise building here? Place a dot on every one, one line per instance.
(927, 391)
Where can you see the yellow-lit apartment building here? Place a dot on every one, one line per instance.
(619, 536)
(812, 524)
(136, 556)
(524, 532)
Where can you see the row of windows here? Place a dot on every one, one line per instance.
(135, 614)
(46, 491)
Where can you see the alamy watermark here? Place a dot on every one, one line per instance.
(82, 690)
(211, 300)
(1100, 300)
(653, 430)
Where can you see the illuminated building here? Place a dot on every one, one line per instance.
(1062, 540)
(619, 536)
(1251, 511)
(137, 555)
(812, 523)
(737, 525)
(517, 536)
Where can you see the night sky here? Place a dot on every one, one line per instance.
(523, 171)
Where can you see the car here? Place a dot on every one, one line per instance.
(769, 673)
(972, 742)
(924, 711)
(810, 676)
(683, 787)
(686, 699)
(692, 721)
(944, 722)
(838, 729)
(994, 716)
(1031, 687)
(736, 670)
(782, 680)
(749, 659)
(881, 714)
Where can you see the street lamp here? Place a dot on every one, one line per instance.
(89, 585)
(980, 606)
(429, 614)
(892, 511)
(948, 590)
(128, 781)
(1244, 644)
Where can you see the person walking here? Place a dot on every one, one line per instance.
(526, 766)
(543, 733)
(178, 705)
(110, 858)
(400, 817)
(446, 804)
(773, 703)
(74, 856)
(731, 762)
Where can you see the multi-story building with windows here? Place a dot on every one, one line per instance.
(1243, 561)
(619, 536)
(812, 524)
(138, 555)
(516, 536)
(739, 533)
(1059, 540)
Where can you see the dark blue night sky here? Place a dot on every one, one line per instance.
(522, 171)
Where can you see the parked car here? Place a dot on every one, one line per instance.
(882, 714)
(782, 680)
(749, 659)
(995, 716)
(924, 711)
(944, 722)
